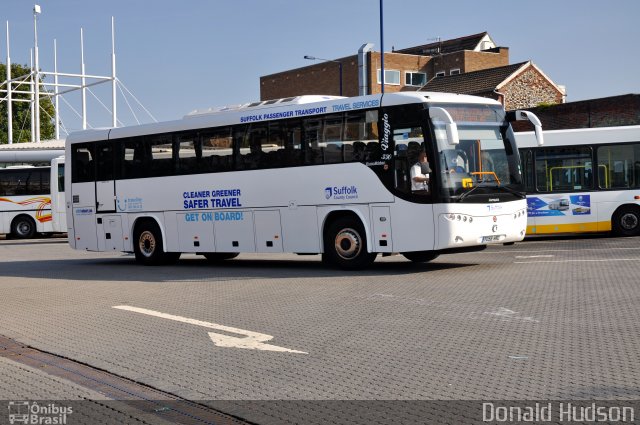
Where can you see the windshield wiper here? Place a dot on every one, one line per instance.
(507, 189)
(467, 193)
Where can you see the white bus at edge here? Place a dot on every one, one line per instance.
(24, 216)
(343, 211)
(602, 201)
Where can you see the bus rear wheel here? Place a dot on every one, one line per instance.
(149, 248)
(626, 221)
(216, 257)
(23, 227)
(420, 256)
(345, 245)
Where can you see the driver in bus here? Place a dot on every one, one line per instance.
(420, 174)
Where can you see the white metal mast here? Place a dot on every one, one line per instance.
(9, 96)
(36, 74)
(114, 82)
(83, 83)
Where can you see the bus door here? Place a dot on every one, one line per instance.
(82, 209)
(109, 227)
(57, 195)
(105, 183)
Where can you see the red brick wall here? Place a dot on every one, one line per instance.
(323, 77)
(320, 78)
(475, 61)
(603, 112)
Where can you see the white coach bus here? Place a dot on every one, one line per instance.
(583, 180)
(32, 200)
(307, 175)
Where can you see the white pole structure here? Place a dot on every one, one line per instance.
(31, 103)
(83, 82)
(9, 95)
(36, 74)
(56, 89)
(114, 115)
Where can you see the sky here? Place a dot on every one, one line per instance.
(178, 56)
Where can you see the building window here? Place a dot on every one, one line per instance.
(441, 74)
(454, 71)
(415, 78)
(391, 76)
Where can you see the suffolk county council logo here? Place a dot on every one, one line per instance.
(341, 193)
(328, 192)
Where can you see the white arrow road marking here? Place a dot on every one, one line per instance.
(250, 341)
(506, 314)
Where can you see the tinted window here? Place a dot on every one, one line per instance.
(564, 169)
(23, 182)
(619, 166)
(217, 150)
(82, 157)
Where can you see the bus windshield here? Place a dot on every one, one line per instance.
(485, 161)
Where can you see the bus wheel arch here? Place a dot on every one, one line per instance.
(625, 221)
(23, 227)
(148, 243)
(345, 241)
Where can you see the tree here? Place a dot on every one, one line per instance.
(21, 110)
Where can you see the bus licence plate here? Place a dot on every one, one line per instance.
(491, 238)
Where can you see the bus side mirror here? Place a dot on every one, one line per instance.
(450, 126)
(531, 117)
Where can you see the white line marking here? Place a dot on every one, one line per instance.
(561, 250)
(534, 256)
(577, 261)
(505, 313)
(251, 340)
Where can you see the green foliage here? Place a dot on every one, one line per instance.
(542, 106)
(21, 110)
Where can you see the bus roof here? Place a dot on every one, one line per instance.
(581, 136)
(264, 111)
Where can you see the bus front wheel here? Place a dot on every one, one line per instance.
(23, 227)
(626, 221)
(345, 245)
(149, 248)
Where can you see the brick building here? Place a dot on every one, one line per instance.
(516, 86)
(405, 69)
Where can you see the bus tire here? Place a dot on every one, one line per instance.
(345, 244)
(148, 245)
(216, 257)
(23, 227)
(420, 256)
(626, 221)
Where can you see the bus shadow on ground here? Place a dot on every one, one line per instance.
(125, 269)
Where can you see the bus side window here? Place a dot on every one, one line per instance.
(160, 148)
(312, 139)
(132, 156)
(217, 150)
(293, 152)
(186, 154)
(82, 160)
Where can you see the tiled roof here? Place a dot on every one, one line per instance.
(469, 42)
(485, 80)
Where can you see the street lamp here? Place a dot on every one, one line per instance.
(313, 58)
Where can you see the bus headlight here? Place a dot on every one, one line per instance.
(459, 217)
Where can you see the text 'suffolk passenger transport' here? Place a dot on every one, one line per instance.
(415, 173)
